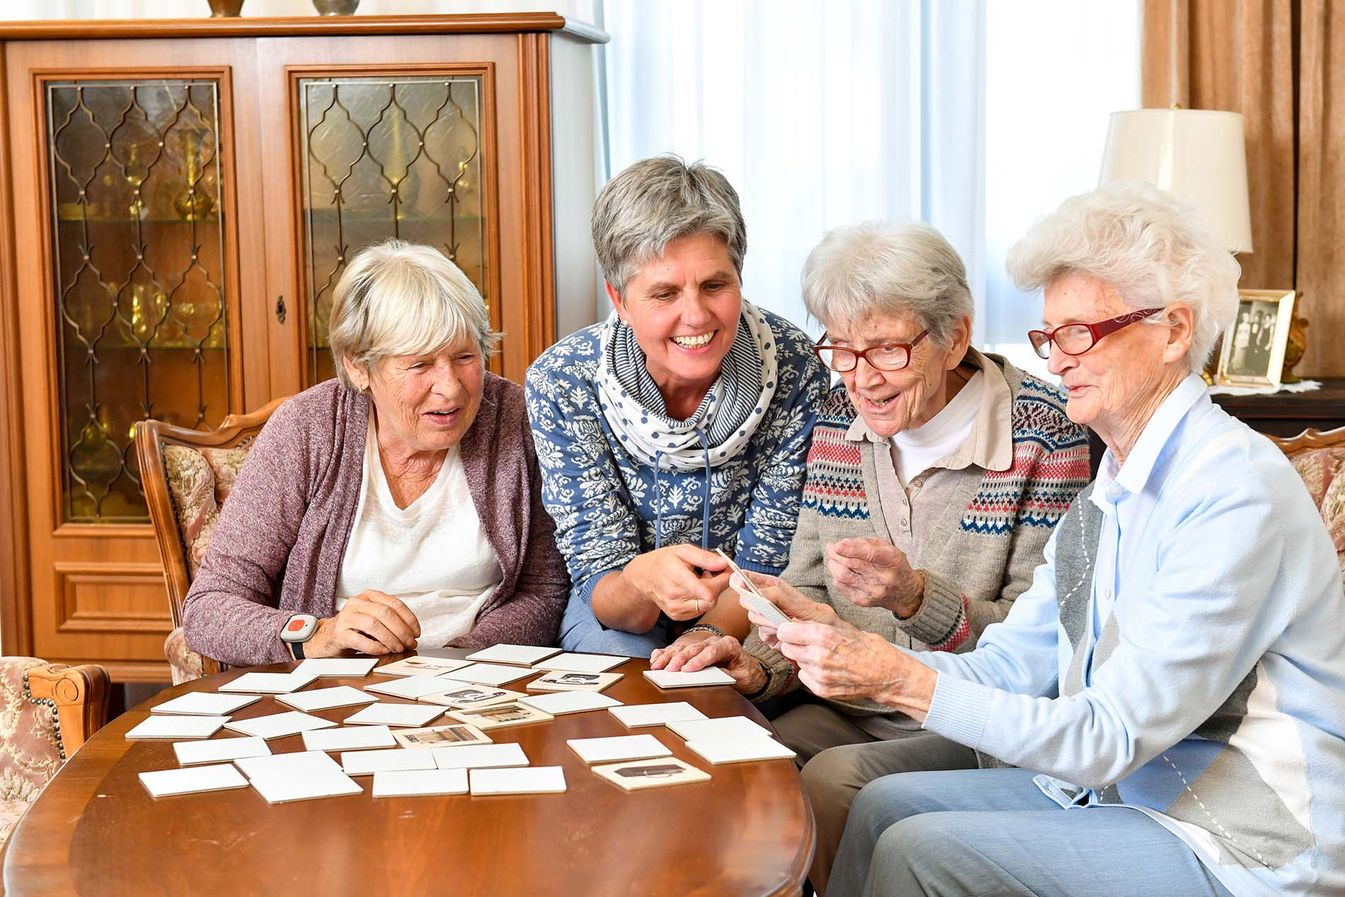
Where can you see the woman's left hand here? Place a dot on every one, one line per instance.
(874, 573)
(686, 646)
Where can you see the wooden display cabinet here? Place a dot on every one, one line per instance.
(179, 199)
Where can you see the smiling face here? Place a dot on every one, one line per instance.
(683, 307)
(1115, 386)
(423, 403)
(893, 401)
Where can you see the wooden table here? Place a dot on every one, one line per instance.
(95, 830)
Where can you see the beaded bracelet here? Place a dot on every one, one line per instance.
(704, 627)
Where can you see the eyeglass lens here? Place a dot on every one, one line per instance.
(884, 358)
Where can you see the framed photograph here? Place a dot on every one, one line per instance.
(1253, 347)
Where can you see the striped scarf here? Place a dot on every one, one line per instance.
(724, 422)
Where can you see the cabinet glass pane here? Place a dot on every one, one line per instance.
(139, 276)
(388, 157)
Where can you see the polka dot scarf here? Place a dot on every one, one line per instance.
(727, 417)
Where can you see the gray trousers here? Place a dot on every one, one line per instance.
(839, 758)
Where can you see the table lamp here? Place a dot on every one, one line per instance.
(1197, 155)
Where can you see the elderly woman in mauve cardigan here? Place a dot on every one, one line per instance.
(395, 507)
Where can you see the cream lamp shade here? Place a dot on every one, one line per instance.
(1197, 155)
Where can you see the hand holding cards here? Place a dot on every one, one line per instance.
(752, 597)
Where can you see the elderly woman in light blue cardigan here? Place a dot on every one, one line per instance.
(677, 426)
(1171, 686)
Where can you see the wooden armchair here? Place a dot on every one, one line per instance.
(1319, 458)
(48, 711)
(187, 475)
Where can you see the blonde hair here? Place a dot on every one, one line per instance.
(1145, 245)
(398, 298)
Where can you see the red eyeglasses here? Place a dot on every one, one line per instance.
(1076, 339)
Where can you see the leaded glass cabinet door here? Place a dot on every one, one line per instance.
(129, 309)
(391, 157)
(139, 280)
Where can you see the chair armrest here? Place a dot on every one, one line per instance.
(79, 696)
(185, 663)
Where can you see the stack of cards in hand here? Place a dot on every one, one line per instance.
(411, 751)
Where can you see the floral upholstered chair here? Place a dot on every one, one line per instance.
(1320, 460)
(187, 475)
(47, 711)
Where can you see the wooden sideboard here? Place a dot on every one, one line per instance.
(177, 200)
(1290, 413)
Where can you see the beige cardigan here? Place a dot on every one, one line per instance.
(981, 554)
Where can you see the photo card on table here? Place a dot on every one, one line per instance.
(166, 727)
(494, 674)
(417, 665)
(568, 680)
(681, 679)
(389, 714)
(558, 703)
(205, 703)
(581, 663)
(337, 667)
(500, 716)
(441, 736)
(522, 655)
(636, 775)
(468, 697)
(268, 683)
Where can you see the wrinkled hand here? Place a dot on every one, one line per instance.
(874, 573)
(837, 660)
(723, 651)
(667, 578)
(371, 623)
(792, 603)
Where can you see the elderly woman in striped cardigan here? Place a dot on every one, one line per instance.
(935, 477)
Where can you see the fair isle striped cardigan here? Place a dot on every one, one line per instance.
(983, 549)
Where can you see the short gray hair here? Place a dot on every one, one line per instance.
(897, 269)
(398, 298)
(1144, 244)
(655, 201)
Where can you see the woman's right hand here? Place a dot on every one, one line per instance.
(372, 623)
(667, 578)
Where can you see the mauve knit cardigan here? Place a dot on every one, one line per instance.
(282, 533)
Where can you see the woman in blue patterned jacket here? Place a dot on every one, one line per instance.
(677, 426)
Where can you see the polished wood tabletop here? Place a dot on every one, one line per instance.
(96, 830)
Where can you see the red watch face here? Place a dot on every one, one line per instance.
(295, 625)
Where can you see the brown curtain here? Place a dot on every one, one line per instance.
(1271, 61)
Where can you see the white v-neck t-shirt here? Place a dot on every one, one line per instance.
(432, 554)
(915, 451)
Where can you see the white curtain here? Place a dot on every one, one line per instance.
(976, 116)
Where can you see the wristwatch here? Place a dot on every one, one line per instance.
(298, 630)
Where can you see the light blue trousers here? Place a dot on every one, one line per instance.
(991, 832)
(581, 631)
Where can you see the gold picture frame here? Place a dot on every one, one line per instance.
(1253, 347)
